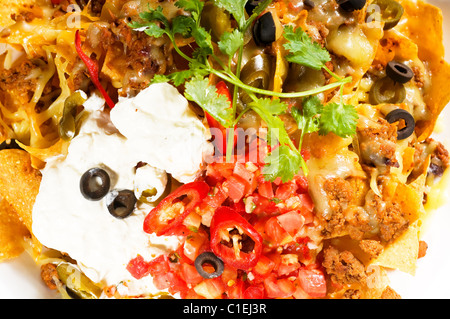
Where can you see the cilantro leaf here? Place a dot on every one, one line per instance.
(340, 119)
(230, 42)
(271, 106)
(307, 119)
(236, 8)
(303, 50)
(205, 95)
(155, 15)
(282, 162)
(195, 7)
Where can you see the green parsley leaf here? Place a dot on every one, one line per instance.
(340, 119)
(230, 42)
(282, 162)
(206, 96)
(303, 50)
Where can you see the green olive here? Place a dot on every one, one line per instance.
(387, 11)
(77, 284)
(385, 90)
(67, 125)
(257, 73)
(215, 19)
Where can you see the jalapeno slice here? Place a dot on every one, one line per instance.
(67, 125)
(390, 12)
(386, 90)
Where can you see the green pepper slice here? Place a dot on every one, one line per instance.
(385, 90)
(387, 11)
(67, 125)
(257, 73)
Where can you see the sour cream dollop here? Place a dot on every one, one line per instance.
(140, 140)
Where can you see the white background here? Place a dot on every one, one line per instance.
(20, 278)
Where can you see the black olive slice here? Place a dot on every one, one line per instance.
(399, 72)
(351, 5)
(251, 5)
(264, 30)
(121, 203)
(400, 114)
(210, 259)
(95, 183)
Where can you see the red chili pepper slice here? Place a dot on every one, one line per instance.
(172, 210)
(220, 143)
(93, 69)
(234, 239)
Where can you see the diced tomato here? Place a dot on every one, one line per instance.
(291, 222)
(192, 221)
(263, 268)
(229, 275)
(254, 292)
(278, 288)
(171, 281)
(235, 187)
(274, 230)
(190, 274)
(302, 183)
(263, 206)
(218, 171)
(265, 189)
(289, 265)
(286, 190)
(236, 291)
(158, 265)
(138, 267)
(210, 288)
(216, 197)
(307, 202)
(195, 244)
(313, 282)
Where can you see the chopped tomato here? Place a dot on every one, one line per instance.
(278, 288)
(190, 274)
(254, 292)
(274, 230)
(235, 187)
(286, 190)
(312, 281)
(291, 222)
(264, 267)
(210, 288)
(195, 244)
(265, 189)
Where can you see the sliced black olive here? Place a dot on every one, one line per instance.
(251, 5)
(351, 5)
(121, 203)
(210, 259)
(95, 183)
(264, 30)
(399, 72)
(10, 145)
(385, 90)
(400, 114)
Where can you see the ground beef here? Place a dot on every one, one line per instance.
(343, 267)
(49, 274)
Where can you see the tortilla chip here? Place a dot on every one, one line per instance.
(424, 27)
(402, 253)
(19, 183)
(12, 232)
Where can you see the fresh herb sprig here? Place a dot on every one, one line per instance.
(285, 159)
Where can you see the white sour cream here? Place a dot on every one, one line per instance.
(101, 244)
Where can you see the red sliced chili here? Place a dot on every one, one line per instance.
(92, 66)
(172, 210)
(234, 239)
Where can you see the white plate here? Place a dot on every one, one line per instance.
(20, 278)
